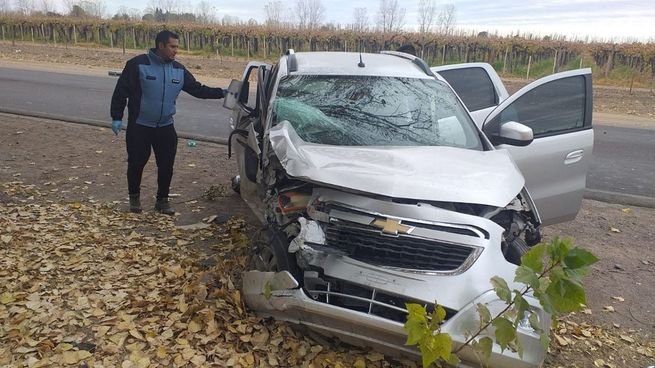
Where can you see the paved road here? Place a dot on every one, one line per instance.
(624, 159)
(88, 97)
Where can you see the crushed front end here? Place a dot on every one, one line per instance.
(360, 259)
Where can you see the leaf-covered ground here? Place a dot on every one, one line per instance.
(84, 282)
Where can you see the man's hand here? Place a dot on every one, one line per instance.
(116, 126)
(225, 92)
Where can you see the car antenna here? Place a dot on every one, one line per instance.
(361, 63)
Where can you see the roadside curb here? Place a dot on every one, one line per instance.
(102, 124)
(598, 195)
(619, 198)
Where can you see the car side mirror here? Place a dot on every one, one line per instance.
(232, 98)
(513, 133)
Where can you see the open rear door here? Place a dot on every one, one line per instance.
(558, 108)
(477, 85)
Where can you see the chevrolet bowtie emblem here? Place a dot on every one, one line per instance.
(391, 226)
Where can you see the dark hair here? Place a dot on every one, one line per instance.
(407, 48)
(164, 36)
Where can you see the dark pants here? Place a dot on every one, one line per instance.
(140, 140)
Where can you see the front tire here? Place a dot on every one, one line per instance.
(269, 253)
(515, 250)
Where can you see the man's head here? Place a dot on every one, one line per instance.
(166, 44)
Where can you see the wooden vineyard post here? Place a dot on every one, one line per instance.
(443, 55)
(32, 32)
(581, 57)
(3, 32)
(111, 39)
(555, 62)
(527, 75)
(232, 45)
(188, 42)
(505, 60)
(248, 49)
(22, 37)
(123, 33)
(74, 35)
(134, 37)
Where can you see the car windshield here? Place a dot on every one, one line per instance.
(374, 111)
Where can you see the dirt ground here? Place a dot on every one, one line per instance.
(616, 100)
(81, 168)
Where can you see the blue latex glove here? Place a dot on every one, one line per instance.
(225, 92)
(116, 126)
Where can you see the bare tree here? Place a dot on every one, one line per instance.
(24, 7)
(310, 13)
(166, 6)
(230, 20)
(205, 12)
(5, 7)
(427, 11)
(316, 13)
(446, 19)
(273, 14)
(360, 20)
(390, 17)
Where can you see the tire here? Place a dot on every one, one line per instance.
(515, 250)
(269, 253)
(235, 183)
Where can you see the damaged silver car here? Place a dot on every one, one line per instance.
(381, 182)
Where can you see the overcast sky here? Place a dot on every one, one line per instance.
(600, 19)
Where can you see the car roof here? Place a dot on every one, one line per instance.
(346, 63)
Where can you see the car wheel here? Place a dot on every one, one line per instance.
(269, 253)
(515, 250)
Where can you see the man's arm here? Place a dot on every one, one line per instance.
(121, 93)
(199, 90)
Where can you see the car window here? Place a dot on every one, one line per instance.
(473, 86)
(374, 111)
(553, 107)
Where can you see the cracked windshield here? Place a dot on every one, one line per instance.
(373, 111)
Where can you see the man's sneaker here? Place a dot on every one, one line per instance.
(135, 203)
(163, 206)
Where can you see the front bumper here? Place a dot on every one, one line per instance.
(292, 304)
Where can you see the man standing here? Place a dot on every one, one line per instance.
(151, 82)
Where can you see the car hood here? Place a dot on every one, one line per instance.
(429, 173)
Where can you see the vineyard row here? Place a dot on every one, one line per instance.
(509, 55)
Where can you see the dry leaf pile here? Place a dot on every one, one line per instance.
(87, 285)
(581, 344)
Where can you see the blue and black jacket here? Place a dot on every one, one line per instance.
(152, 86)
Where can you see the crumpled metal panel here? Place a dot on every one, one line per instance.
(445, 174)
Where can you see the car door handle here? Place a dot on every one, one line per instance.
(573, 157)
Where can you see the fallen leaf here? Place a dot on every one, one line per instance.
(618, 298)
(627, 338)
(6, 238)
(608, 308)
(626, 210)
(560, 340)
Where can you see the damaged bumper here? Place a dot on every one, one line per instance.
(382, 334)
(370, 257)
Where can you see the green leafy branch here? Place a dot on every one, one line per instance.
(551, 272)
